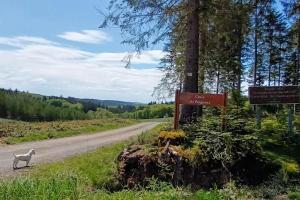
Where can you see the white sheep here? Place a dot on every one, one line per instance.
(23, 157)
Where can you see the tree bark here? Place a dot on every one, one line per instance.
(202, 46)
(280, 63)
(255, 43)
(190, 82)
(240, 49)
(240, 37)
(270, 58)
(298, 52)
(218, 80)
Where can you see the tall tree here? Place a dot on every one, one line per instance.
(190, 80)
(275, 42)
(146, 22)
(292, 10)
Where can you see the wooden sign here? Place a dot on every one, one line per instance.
(214, 100)
(197, 99)
(274, 95)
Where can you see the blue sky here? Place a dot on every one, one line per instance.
(54, 47)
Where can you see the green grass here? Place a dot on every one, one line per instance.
(13, 132)
(52, 188)
(287, 155)
(87, 176)
(294, 195)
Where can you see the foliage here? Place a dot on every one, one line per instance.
(272, 126)
(29, 107)
(234, 149)
(144, 22)
(100, 113)
(150, 112)
(297, 122)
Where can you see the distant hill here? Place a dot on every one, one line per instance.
(83, 104)
(107, 103)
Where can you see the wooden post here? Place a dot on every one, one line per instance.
(290, 120)
(258, 117)
(224, 112)
(176, 116)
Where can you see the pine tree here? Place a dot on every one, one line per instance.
(148, 22)
(292, 11)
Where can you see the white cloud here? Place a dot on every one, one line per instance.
(147, 57)
(21, 41)
(42, 66)
(86, 36)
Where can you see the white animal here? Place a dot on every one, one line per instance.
(23, 157)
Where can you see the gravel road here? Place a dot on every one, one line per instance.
(58, 149)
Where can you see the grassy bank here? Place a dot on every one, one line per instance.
(80, 177)
(91, 175)
(87, 176)
(12, 132)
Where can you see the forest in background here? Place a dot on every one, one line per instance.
(32, 107)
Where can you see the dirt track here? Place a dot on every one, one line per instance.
(58, 149)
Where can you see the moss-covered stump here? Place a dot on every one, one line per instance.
(213, 160)
(137, 165)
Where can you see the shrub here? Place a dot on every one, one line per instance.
(240, 154)
(272, 126)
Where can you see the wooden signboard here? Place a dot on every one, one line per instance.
(215, 100)
(274, 95)
(197, 99)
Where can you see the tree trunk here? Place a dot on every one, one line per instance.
(255, 43)
(202, 46)
(298, 52)
(190, 83)
(280, 63)
(240, 37)
(270, 58)
(240, 49)
(218, 81)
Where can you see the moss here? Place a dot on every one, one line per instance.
(172, 135)
(291, 167)
(175, 137)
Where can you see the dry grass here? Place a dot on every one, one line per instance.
(12, 132)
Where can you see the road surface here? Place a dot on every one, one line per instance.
(58, 149)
